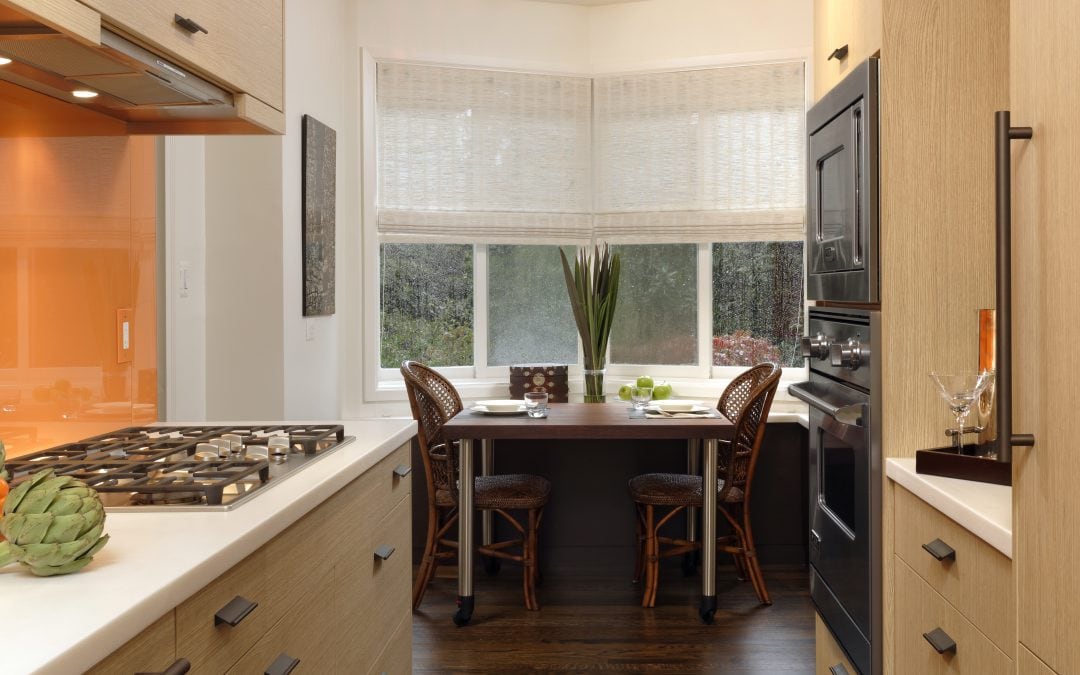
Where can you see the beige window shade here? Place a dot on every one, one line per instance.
(700, 155)
(480, 156)
(484, 156)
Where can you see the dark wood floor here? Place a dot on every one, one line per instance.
(590, 621)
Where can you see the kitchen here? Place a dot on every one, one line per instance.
(232, 344)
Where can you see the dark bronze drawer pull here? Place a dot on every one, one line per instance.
(402, 470)
(940, 641)
(189, 25)
(282, 665)
(234, 612)
(838, 669)
(179, 667)
(840, 53)
(940, 550)
(384, 552)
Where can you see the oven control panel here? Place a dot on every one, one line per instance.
(839, 344)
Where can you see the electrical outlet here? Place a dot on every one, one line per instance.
(123, 335)
(183, 283)
(309, 329)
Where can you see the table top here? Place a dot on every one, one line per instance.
(585, 421)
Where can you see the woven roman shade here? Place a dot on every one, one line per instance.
(483, 156)
(700, 156)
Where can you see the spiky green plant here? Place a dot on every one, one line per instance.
(53, 524)
(593, 285)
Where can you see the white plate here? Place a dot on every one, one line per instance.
(502, 405)
(484, 410)
(678, 405)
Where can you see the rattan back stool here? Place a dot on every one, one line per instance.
(434, 401)
(746, 402)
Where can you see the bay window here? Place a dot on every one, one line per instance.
(694, 176)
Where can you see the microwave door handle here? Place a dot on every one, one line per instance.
(850, 415)
(857, 132)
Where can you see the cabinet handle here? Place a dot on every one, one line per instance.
(189, 25)
(1004, 132)
(179, 667)
(234, 612)
(282, 665)
(402, 470)
(840, 53)
(838, 669)
(940, 550)
(940, 641)
(384, 552)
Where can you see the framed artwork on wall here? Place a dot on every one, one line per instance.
(319, 218)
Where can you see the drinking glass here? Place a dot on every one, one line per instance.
(640, 396)
(961, 391)
(536, 403)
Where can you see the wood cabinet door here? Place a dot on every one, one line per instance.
(1044, 60)
(243, 46)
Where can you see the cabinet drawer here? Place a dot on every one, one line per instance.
(830, 658)
(396, 657)
(920, 609)
(214, 648)
(978, 581)
(242, 47)
(305, 633)
(152, 650)
(388, 487)
(375, 595)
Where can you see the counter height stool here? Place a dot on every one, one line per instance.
(746, 402)
(434, 401)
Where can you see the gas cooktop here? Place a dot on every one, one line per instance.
(193, 468)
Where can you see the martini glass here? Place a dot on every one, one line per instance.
(961, 391)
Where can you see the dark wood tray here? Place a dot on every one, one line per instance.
(970, 463)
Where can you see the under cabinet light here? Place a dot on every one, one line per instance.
(4, 60)
(84, 93)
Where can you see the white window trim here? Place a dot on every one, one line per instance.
(381, 385)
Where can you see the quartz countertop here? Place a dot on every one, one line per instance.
(154, 561)
(984, 509)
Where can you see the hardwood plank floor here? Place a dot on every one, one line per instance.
(590, 621)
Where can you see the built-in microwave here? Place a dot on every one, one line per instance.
(842, 173)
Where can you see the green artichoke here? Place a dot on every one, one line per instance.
(3, 458)
(52, 524)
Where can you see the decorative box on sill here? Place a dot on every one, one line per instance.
(548, 377)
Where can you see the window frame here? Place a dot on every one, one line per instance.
(384, 385)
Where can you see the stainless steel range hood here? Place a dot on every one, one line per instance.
(131, 83)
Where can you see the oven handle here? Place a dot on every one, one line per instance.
(852, 415)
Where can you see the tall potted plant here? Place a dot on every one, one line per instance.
(593, 285)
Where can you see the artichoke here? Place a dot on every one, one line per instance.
(52, 524)
(3, 458)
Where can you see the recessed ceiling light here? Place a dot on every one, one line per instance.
(4, 60)
(84, 93)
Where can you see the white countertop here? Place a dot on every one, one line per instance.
(984, 509)
(155, 561)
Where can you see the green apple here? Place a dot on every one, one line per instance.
(645, 381)
(661, 392)
(624, 392)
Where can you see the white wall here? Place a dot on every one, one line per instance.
(315, 85)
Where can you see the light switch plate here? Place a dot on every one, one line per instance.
(309, 329)
(123, 335)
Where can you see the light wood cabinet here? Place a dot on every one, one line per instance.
(920, 610)
(977, 579)
(242, 46)
(829, 658)
(151, 651)
(1044, 58)
(324, 597)
(839, 24)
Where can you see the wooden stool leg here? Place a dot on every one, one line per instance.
(528, 574)
(639, 561)
(652, 559)
(752, 560)
(428, 562)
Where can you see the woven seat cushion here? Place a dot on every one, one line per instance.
(505, 491)
(674, 489)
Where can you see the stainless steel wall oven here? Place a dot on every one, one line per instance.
(845, 478)
(842, 191)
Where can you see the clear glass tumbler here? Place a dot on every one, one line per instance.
(640, 396)
(536, 403)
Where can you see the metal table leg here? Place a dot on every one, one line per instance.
(487, 528)
(708, 533)
(466, 545)
(693, 467)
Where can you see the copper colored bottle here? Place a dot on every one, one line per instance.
(987, 351)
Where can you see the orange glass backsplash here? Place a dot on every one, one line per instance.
(77, 245)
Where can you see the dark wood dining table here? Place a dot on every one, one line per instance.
(587, 421)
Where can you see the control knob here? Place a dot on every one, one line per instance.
(849, 354)
(816, 347)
